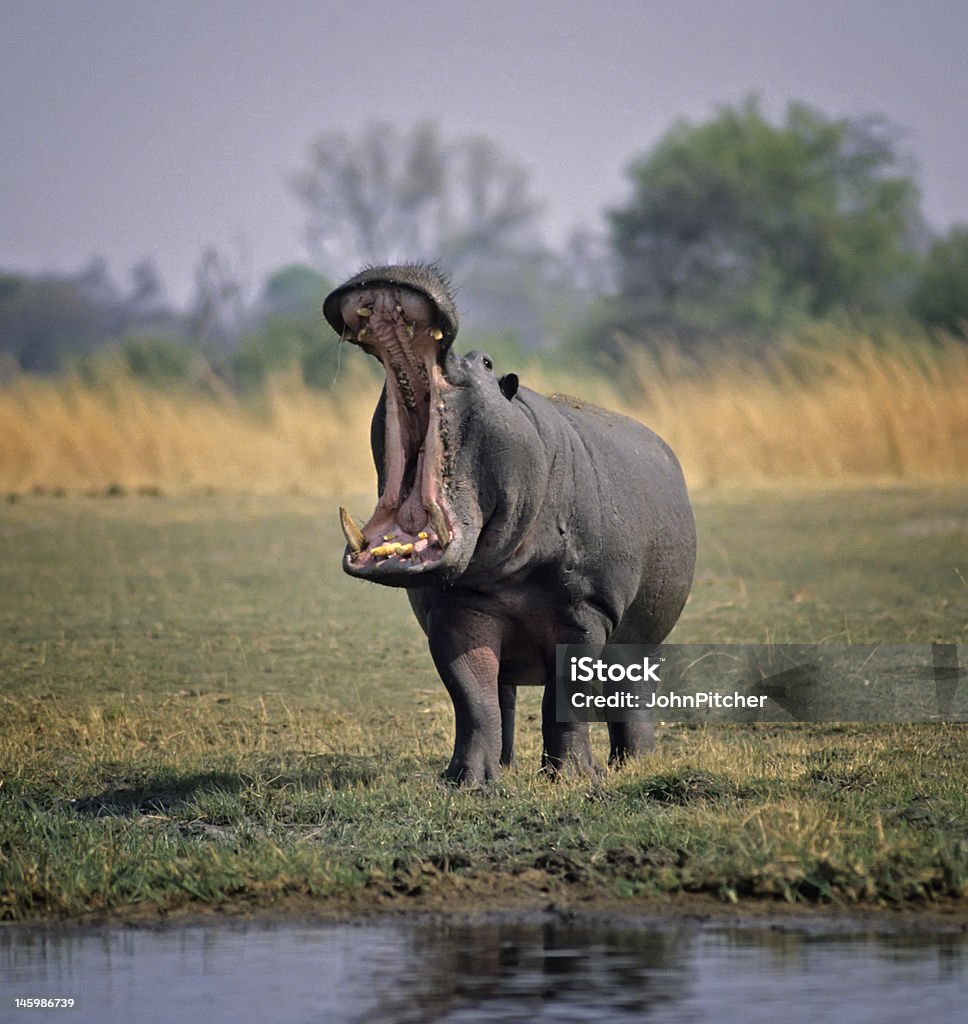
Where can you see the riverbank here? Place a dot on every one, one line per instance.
(201, 715)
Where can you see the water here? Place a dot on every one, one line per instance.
(504, 971)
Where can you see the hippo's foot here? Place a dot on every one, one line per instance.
(569, 752)
(574, 764)
(567, 747)
(477, 771)
(629, 741)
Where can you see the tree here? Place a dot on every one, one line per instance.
(940, 295)
(50, 319)
(46, 318)
(385, 195)
(294, 290)
(288, 332)
(743, 221)
(218, 306)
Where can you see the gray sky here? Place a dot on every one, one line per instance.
(134, 129)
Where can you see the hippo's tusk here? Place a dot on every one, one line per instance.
(352, 533)
(439, 523)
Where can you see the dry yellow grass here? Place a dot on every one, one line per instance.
(849, 411)
(844, 409)
(67, 436)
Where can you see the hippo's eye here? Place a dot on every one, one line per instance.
(488, 365)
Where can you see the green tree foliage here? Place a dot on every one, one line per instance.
(940, 295)
(291, 334)
(161, 362)
(294, 290)
(284, 345)
(742, 221)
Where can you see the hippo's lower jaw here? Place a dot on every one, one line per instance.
(397, 560)
(410, 530)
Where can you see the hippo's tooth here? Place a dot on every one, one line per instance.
(352, 533)
(436, 333)
(364, 311)
(439, 523)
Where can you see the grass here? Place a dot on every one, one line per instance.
(838, 405)
(199, 709)
(64, 436)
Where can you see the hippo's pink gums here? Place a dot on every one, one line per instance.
(516, 522)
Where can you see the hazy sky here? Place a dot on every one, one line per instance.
(132, 129)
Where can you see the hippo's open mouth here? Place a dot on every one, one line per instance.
(410, 528)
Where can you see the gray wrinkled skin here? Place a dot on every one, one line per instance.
(534, 521)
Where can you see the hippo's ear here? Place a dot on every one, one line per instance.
(509, 385)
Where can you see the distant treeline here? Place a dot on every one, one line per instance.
(741, 226)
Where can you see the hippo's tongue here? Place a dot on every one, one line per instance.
(398, 326)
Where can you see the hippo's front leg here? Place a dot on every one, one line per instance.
(465, 646)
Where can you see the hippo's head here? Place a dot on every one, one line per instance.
(439, 415)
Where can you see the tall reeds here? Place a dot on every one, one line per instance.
(838, 405)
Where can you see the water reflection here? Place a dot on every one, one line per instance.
(492, 972)
(515, 972)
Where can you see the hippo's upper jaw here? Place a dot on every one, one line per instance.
(404, 317)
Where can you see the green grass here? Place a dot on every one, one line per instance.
(197, 707)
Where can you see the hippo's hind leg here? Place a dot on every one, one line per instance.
(567, 745)
(508, 698)
(635, 734)
(629, 740)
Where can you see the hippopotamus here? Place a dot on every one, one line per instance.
(514, 521)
